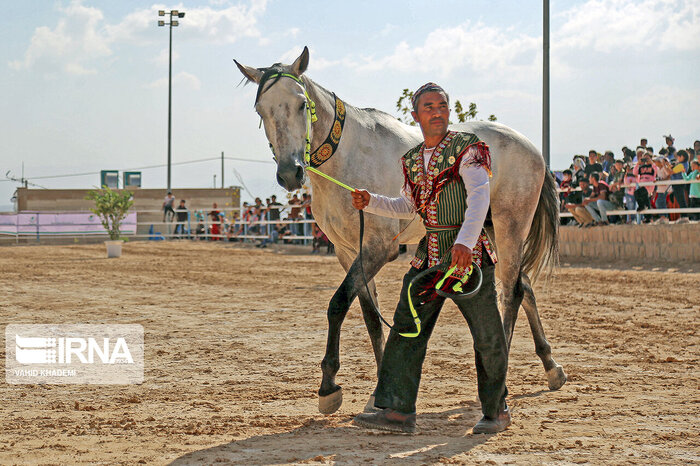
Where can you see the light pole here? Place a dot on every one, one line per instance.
(545, 83)
(174, 15)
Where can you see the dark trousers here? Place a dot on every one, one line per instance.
(679, 195)
(402, 364)
(695, 202)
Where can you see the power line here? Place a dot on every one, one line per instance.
(69, 175)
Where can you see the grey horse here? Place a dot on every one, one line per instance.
(524, 211)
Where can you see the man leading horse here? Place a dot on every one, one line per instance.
(447, 183)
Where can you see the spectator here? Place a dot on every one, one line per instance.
(257, 212)
(200, 231)
(182, 216)
(679, 192)
(598, 204)
(215, 216)
(576, 207)
(579, 170)
(168, 212)
(320, 239)
(308, 215)
(608, 162)
(627, 155)
(694, 187)
(669, 145)
(274, 208)
(643, 143)
(645, 172)
(663, 173)
(565, 186)
(295, 214)
(630, 179)
(593, 165)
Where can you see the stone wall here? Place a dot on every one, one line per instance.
(52, 200)
(668, 243)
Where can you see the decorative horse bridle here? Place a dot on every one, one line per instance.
(326, 150)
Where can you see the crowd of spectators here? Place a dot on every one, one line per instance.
(595, 185)
(259, 222)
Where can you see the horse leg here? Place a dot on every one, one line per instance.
(511, 289)
(556, 376)
(330, 394)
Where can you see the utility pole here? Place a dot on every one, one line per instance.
(173, 22)
(222, 169)
(545, 83)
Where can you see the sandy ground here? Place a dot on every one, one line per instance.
(234, 338)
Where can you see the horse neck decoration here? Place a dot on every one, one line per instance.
(524, 202)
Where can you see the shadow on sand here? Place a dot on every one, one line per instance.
(439, 435)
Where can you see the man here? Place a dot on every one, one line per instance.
(274, 208)
(182, 215)
(669, 145)
(615, 181)
(440, 175)
(643, 143)
(608, 162)
(598, 204)
(168, 212)
(577, 208)
(593, 165)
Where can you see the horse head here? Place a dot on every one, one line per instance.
(282, 105)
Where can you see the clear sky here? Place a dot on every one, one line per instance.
(84, 83)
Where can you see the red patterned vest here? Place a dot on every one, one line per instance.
(440, 198)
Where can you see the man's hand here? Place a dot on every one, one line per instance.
(360, 199)
(461, 256)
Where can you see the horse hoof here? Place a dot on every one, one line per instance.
(556, 377)
(369, 407)
(330, 403)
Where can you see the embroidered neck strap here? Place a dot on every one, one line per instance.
(326, 150)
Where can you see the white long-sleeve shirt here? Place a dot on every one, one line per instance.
(476, 182)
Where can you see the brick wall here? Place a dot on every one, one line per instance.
(672, 243)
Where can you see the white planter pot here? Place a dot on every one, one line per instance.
(114, 248)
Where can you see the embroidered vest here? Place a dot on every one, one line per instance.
(440, 198)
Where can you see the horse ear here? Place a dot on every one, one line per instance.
(301, 63)
(252, 74)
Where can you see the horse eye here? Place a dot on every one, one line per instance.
(302, 107)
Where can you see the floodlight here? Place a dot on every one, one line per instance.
(161, 23)
(161, 13)
(174, 23)
(181, 15)
(174, 13)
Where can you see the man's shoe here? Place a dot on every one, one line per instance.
(387, 419)
(488, 425)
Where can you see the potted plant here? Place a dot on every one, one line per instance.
(111, 207)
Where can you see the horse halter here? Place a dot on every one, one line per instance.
(328, 147)
(310, 116)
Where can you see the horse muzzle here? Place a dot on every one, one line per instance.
(290, 175)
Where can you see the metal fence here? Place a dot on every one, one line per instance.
(681, 211)
(37, 226)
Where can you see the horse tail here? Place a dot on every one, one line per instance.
(541, 248)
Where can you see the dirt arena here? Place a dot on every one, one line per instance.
(234, 338)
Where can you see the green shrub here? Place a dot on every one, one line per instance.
(111, 207)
